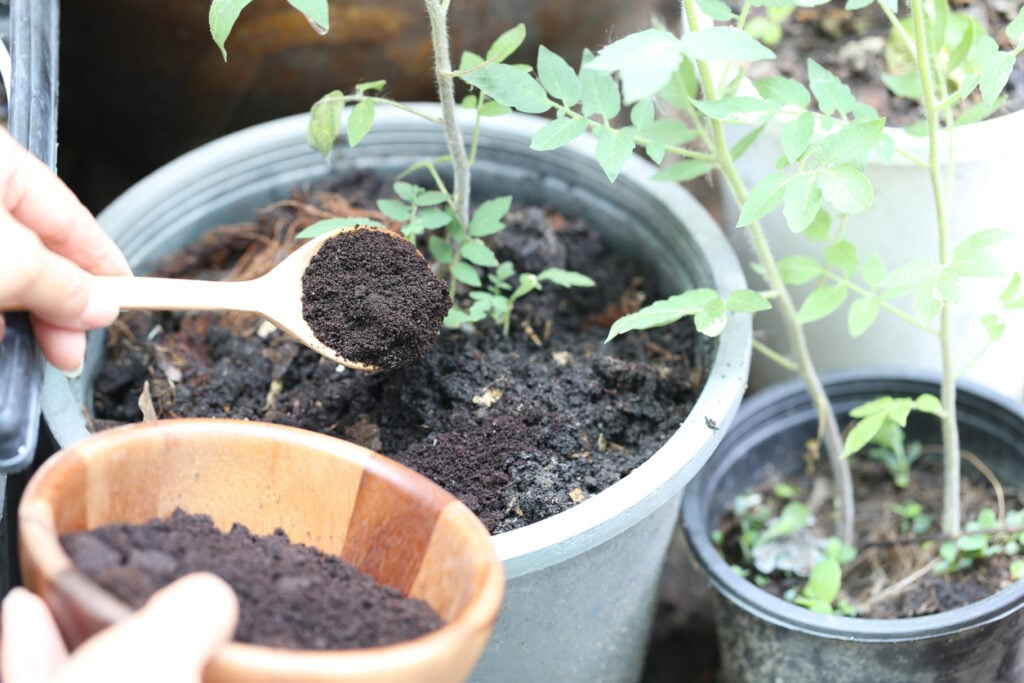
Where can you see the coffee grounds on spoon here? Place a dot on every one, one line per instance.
(372, 298)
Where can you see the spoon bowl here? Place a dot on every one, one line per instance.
(276, 296)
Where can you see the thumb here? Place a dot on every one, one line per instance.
(31, 647)
(169, 640)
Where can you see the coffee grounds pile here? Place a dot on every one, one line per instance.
(373, 299)
(290, 595)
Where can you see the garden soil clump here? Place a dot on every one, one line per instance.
(290, 595)
(518, 427)
(371, 297)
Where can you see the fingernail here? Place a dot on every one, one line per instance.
(99, 312)
(77, 372)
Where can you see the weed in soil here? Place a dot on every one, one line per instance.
(371, 297)
(519, 427)
(290, 595)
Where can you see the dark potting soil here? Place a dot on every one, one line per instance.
(851, 44)
(290, 595)
(370, 296)
(518, 427)
(889, 551)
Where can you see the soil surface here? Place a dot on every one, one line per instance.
(889, 550)
(851, 44)
(370, 296)
(518, 427)
(290, 595)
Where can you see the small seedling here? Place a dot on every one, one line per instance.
(913, 518)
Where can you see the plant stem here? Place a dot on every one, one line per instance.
(437, 10)
(828, 427)
(950, 429)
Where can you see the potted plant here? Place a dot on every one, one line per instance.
(822, 171)
(269, 478)
(555, 566)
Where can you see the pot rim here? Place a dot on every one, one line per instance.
(620, 506)
(775, 610)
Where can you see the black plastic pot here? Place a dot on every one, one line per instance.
(764, 638)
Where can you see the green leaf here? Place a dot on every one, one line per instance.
(668, 132)
(763, 198)
(489, 216)
(846, 189)
(558, 133)
(642, 113)
(863, 432)
(994, 76)
(683, 87)
(724, 43)
(360, 120)
(325, 122)
(557, 77)
(479, 254)
(929, 403)
(645, 62)
(329, 224)
(407, 191)
(746, 141)
(466, 274)
(983, 239)
(432, 219)
(440, 249)
(511, 87)
(316, 13)
(994, 327)
(854, 5)
(824, 581)
(862, 315)
(842, 256)
(394, 209)
(793, 517)
(799, 270)
(821, 303)
(747, 301)
(796, 135)
(716, 9)
(614, 149)
(801, 201)
(832, 94)
(507, 43)
(1015, 29)
(710, 320)
(784, 91)
(682, 171)
(911, 274)
(371, 85)
(852, 143)
(738, 109)
(873, 270)
(820, 229)
(223, 15)
(565, 278)
(599, 92)
(429, 198)
(663, 312)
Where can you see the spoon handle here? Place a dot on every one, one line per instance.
(171, 294)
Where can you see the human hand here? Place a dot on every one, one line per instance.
(51, 247)
(169, 640)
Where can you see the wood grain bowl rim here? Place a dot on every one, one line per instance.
(36, 521)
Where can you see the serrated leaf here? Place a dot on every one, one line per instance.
(558, 133)
(764, 198)
(799, 270)
(407, 191)
(360, 120)
(747, 301)
(479, 254)
(489, 216)
(682, 87)
(663, 312)
(710, 320)
(557, 77)
(843, 257)
(784, 91)
(433, 219)
(316, 13)
(599, 93)
(746, 141)
(738, 109)
(645, 62)
(929, 403)
(796, 135)
(846, 189)
(466, 274)
(668, 132)
(642, 113)
(821, 303)
(565, 278)
(325, 118)
(440, 249)
(716, 9)
(724, 43)
(223, 15)
(801, 201)
(832, 94)
(682, 171)
(329, 224)
(820, 229)
(394, 209)
(861, 316)
(852, 143)
(614, 149)
(995, 75)
(507, 43)
(429, 198)
(511, 87)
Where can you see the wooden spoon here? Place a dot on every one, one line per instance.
(276, 296)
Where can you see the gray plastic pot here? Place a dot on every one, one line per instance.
(764, 638)
(581, 584)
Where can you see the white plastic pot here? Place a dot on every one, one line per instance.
(581, 584)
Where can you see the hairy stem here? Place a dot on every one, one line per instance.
(437, 10)
(828, 427)
(950, 429)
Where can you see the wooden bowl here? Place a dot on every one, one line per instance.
(385, 519)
